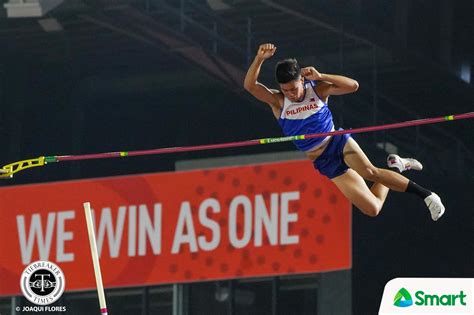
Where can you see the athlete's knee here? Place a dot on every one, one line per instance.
(370, 173)
(372, 209)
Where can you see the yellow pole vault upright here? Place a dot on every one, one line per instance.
(95, 258)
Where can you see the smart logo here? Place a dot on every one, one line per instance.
(423, 299)
(402, 298)
(427, 296)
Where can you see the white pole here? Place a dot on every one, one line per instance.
(95, 258)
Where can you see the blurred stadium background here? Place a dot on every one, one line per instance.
(85, 76)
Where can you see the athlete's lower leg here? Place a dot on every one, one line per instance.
(356, 159)
(390, 179)
(380, 192)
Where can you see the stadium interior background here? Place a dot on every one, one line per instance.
(140, 74)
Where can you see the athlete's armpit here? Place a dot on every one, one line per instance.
(272, 97)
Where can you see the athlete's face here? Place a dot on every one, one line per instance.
(293, 90)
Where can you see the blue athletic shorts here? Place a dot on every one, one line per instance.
(331, 162)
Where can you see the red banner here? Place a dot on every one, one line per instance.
(259, 220)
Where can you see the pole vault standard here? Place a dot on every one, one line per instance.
(95, 258)
(8, 170)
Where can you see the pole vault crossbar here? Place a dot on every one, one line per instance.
(8, 170)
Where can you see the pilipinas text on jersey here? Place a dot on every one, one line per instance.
(311, 115)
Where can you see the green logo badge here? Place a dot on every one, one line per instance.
(403, 298)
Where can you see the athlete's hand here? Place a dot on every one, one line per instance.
(311, 73)
(265, 51)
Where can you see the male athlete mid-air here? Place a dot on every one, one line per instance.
(301, 108)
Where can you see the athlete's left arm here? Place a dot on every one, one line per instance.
(330, 84)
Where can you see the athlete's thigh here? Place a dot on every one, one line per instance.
(354, 157)
(353, 186)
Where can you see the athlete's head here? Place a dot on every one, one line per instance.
(288, 76)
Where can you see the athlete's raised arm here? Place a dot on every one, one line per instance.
(330, 84)
(272, 97)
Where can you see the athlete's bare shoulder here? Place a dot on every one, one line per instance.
(279, 97)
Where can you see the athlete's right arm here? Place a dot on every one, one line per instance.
(258, 90)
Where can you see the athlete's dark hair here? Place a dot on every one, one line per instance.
(287, 70)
